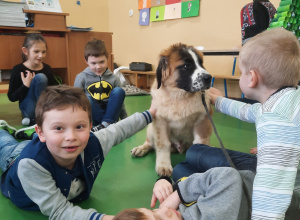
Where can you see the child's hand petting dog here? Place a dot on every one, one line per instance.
(214, 93)
(161, 190)
(153, 108)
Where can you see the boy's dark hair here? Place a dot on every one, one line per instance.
(130, 214)
(95, 48)
(60, 97)
(31, 39)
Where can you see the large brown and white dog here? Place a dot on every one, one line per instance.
(180, 119)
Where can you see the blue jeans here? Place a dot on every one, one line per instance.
(108, 111)
(200, 158)
(10, 148)
(37, 86)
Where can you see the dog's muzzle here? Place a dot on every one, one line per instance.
(201, 83)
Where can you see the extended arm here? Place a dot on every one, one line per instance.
(240, 110)
(116, 133)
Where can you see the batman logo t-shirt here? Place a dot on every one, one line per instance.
(100, 90)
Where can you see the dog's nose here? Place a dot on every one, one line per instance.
(207, 78)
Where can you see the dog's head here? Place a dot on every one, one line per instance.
(181, 66)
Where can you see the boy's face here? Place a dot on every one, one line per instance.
(66, 133)
(97, 64)
(163, 213)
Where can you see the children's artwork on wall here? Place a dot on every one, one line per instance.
(157, 13)
(160, 10)
(157, 2)
(190, 9)
(144, 4)
(144, 16)
(173, 11)
(168, 2)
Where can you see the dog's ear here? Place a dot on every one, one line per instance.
(162, 65)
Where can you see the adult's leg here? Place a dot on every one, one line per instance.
(10, 148)
(200, 158)
(114, 105)
(98, 111)
(37, 86)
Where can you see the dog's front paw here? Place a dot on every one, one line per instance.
(139, 151)
(163, 169)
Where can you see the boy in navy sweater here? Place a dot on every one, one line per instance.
(59, 166)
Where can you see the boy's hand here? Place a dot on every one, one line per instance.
(153, 108)
(172, 201)
(253, 150)
(214, 93)
(161, 190)
(28, 78)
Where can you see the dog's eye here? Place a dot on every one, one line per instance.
(186, 66)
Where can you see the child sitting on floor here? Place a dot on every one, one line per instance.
(101, 86)
(29, 78)
(270, 67)
(60, 164)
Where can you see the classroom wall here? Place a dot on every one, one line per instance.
(90, 13)
(217, 27)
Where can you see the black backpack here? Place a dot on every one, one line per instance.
(256, 17)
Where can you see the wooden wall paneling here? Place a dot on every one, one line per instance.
(11, 52)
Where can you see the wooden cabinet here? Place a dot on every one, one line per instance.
(65, 48)
(141, 79)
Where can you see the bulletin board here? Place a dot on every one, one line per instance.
(161, 10)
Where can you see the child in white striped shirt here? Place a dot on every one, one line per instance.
(270, 68)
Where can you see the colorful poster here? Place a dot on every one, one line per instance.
(190, 8)
(144, 4)
(157, 13)
(157, 2)
(173, 11)
(144, 16)
(168, 2)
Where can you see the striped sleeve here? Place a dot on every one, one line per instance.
(240, 110)
(96, 216)
(147, 116)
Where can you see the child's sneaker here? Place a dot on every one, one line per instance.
(25, 133)
(5, 126)
(97, 128)
(28, 121)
